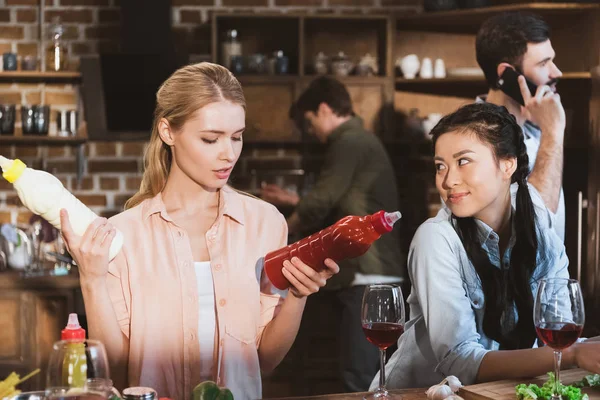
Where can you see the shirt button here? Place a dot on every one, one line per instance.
(180, 233)
(222, 342)
(192, 336)
(218, 267)
(222, 302)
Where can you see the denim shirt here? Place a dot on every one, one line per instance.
(444, 335)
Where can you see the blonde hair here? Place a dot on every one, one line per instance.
(181, 95)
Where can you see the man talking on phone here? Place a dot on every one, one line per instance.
(514, 51)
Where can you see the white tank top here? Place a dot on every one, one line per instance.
(206, 318)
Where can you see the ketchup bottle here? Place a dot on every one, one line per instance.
(348, 238)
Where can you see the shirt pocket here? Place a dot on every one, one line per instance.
(476, 297)
(242, 316)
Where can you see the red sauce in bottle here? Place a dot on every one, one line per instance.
(348, 238)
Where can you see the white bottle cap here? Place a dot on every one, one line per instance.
(4, 163)
(392, 218)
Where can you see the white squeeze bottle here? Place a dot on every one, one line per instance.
(43, 194)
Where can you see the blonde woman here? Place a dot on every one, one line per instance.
(186, 300)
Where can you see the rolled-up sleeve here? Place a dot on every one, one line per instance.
(434, 268)
(270, 297)
(545, 217)
(119, 290)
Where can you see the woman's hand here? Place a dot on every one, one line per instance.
(90, 251)
(305, 280)
(586, 355)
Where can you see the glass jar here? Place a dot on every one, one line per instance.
(56, 51)
(231, 47)
(139, 393)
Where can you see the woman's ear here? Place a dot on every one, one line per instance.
(165, 132)
(508, 166)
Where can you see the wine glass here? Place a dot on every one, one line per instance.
(383, 323)
(78, 370)
(558, 316)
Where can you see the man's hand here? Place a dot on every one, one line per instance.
(278, 196)
(545, 109)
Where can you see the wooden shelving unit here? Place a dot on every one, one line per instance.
(575, 36)
(469, 20)
(301, 37)
(465, 86)
(42, 140)
(40, 77)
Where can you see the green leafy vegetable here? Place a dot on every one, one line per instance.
(588, 381)
(535, 392)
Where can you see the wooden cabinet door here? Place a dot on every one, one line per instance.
(267, 109)
(17, 336)
(590, 270)
(31, 322)
(372, 101)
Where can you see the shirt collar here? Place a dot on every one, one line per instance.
(354, 122)
(230, 204)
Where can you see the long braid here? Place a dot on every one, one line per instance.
(504, 289)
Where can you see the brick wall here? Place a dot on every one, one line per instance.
(113, 170)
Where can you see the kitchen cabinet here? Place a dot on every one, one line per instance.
(301, 38)
(34, 311)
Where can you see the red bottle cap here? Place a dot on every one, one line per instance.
(73, 331)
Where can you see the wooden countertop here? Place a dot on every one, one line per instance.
(14, 280)
(400, 394)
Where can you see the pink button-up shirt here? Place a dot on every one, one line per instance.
(153, 288)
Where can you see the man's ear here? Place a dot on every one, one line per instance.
(502, 67)
(165, 132)
(324, 109)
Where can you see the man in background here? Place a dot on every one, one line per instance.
(357, 178)
(521, 41)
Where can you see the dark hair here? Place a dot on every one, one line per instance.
(503, 288)
(504, 38)
(322, 90)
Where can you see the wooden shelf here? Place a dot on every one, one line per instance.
(469, 20)
(40, 77)
(463, 86)
(12, 280)
(260, 79)
(42, 140)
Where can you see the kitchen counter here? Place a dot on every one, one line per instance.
(13, 280)
(400, 394)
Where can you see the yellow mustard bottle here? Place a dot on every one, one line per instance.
(74, 372)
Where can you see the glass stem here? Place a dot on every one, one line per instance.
(557, 359)
(382, 369)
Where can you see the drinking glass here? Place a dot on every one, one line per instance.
(558, 316)
(383, 323)
(78, 370)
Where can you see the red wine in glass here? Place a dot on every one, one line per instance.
(559, 317)
(383, 334)
(559, 335)
(382, 320)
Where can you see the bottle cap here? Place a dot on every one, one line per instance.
(383, 222)
(14, 170)
(139, 393)
(73, 331)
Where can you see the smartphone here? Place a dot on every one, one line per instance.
(509, 84)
